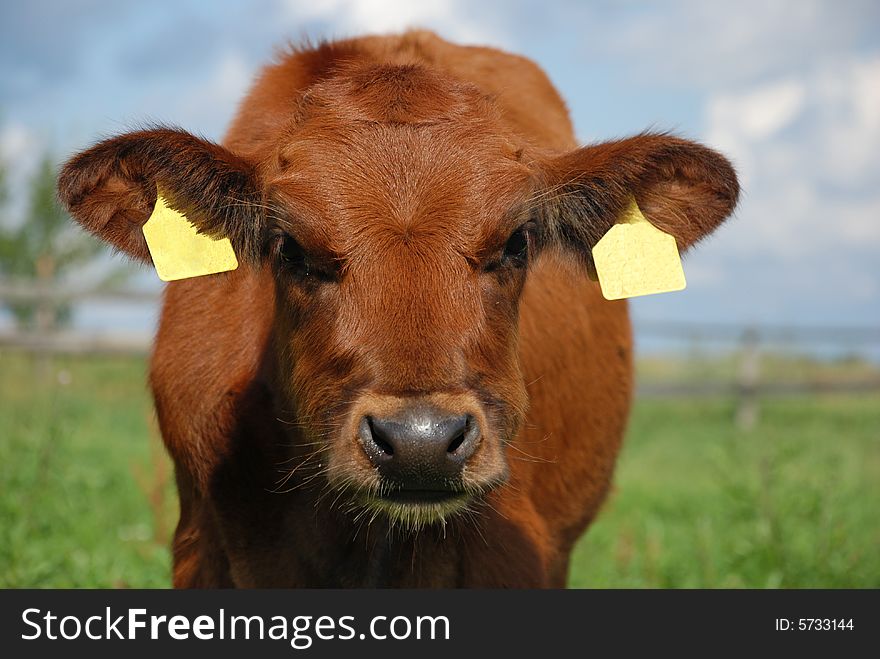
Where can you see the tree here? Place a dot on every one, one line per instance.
(45, 248)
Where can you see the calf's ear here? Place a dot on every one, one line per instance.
(682, 188)
(110, 189)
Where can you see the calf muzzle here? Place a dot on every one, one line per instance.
(420, 451)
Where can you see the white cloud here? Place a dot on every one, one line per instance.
(806, 149)
(453, 18)
(761, 112)
(210, 104)
(849, 94)
(20, 152)
(17, 143)
(737, 121)
(710, 43)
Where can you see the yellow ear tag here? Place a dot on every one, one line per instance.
(636, 258)
(179, 251)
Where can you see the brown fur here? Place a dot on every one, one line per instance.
(400, 166)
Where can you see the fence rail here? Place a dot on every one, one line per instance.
(49, 339)
(17, 291)
(76, 342)
(726, 332)
(715, 389)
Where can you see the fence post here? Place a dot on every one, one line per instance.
(45, 313)
(747, 380)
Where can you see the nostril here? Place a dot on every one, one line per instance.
(383, 446)
(463, 441)
(458, 441)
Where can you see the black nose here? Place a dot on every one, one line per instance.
(421, 448)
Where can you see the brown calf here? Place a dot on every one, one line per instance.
(409, 381)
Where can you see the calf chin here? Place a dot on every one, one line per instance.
(413, 515)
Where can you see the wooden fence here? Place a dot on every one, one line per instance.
(48, 338)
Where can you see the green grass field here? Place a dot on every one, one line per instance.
(88, 499)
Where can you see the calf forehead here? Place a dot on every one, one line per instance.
(379, 186)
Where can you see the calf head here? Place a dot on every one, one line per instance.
(399, 218)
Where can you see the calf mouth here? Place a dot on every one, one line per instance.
(422, 497)
(413, 510)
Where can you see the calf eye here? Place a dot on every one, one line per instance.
(293, 259)
(291, 255)
(516, 249)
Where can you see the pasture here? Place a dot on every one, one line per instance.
(88, 497)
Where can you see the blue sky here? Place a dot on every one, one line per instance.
(790, 90)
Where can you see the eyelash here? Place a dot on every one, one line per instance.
(294, 259)
(515, 252)
(517, 246)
